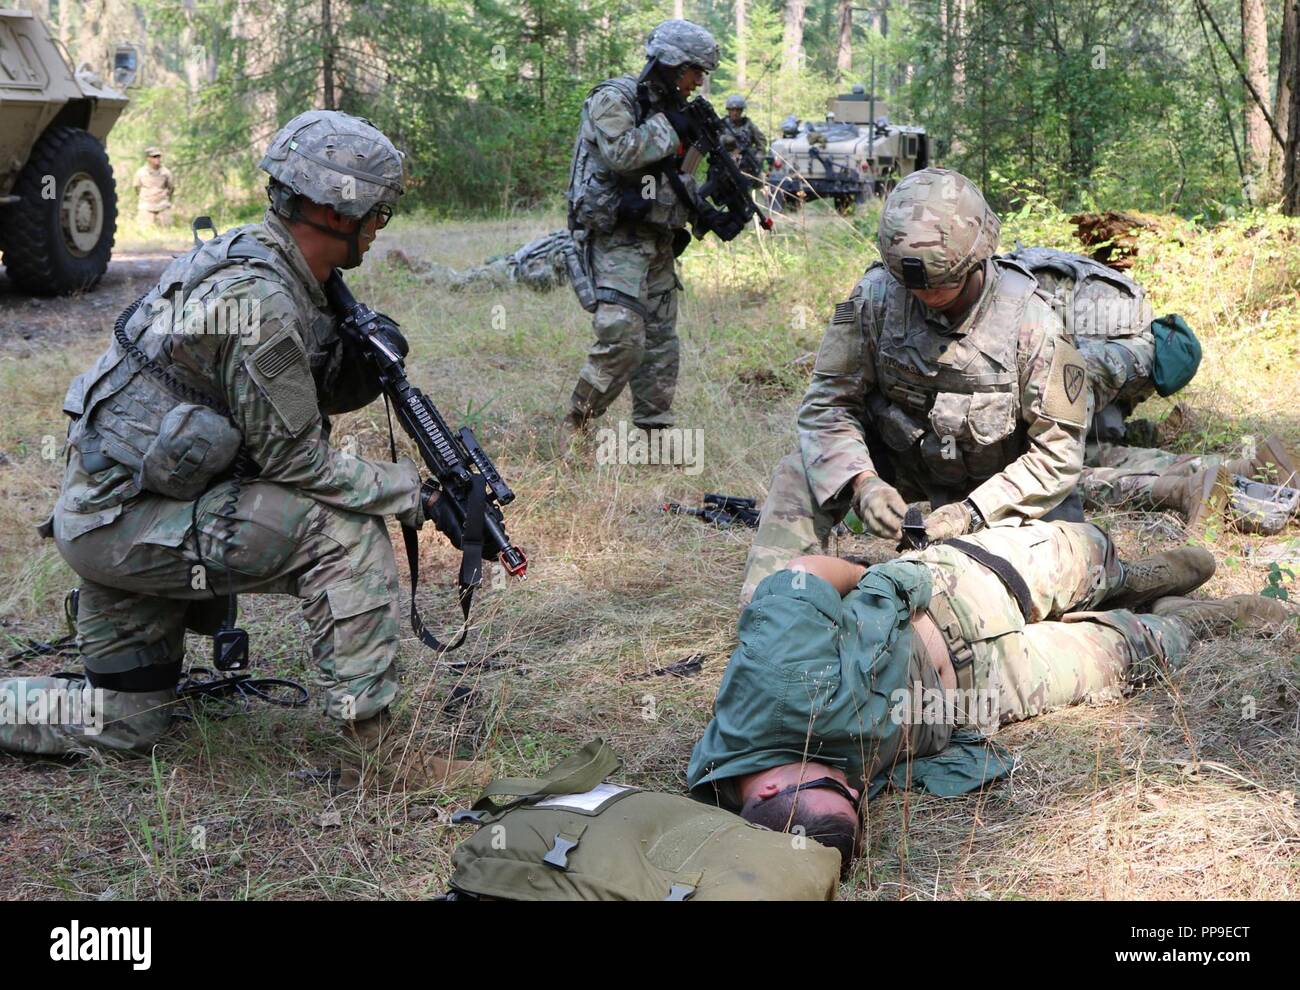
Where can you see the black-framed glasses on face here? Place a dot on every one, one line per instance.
(382, 214)
(823, 783)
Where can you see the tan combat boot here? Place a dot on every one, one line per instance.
(1273, 463)
(1199, 498)
(1254, 611)
(1180, 420)
(1174, 572)
(389, 759)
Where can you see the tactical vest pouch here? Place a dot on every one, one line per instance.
(573, 836)
(896, 428)
(193, 446)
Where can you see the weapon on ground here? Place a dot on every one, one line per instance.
(721, 510)
(472, 488)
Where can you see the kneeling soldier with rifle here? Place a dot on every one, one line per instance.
(200, 466)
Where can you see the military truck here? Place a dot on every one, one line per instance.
(58, 201)
(853, 154)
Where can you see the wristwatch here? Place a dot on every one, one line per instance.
(976, 517)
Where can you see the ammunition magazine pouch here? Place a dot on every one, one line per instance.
(572, 835)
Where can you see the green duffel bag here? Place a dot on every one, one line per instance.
(574, 836)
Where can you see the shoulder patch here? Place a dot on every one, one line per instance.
(1065, 393)
(843, 312)
(274, 358)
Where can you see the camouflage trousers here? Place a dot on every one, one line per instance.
(1115, 475)
(635, 324)
(140, 575)
(1055, 659)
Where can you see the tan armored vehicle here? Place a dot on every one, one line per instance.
(854, 153)
(58, 202)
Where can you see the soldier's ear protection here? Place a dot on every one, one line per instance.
(914, 276)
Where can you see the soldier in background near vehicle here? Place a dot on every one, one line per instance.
(154, 186)
(945, 376)
(200, 465)
(751, 145)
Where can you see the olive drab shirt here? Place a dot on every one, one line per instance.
(259, 337)
(995, 407)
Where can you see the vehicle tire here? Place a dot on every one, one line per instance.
(61, 243)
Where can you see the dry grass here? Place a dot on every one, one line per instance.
(1172, 793)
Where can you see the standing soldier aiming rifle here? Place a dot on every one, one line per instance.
(200, 465)
(628, 209)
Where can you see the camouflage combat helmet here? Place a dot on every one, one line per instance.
(735, 102)
(677, 42)
(935, 228)
(336, 160)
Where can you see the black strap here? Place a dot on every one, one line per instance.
(154, 677)
(1003, 569)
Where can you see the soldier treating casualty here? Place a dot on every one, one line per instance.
(945, 377)
(200, 464)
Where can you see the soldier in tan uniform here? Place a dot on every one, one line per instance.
(943, 377)
(200, 464)
(154, 187)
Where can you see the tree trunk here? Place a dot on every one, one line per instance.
(1287, 73)
(792, 38)
(679, 9)
(742, 46)
(844, 50)
(327, 53)
(1254, 49)
(1291, 183)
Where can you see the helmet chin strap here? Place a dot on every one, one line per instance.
(288, 206)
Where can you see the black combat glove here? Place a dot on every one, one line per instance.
(438, 511)
(388, 335)
(683, 125)
(722, 223)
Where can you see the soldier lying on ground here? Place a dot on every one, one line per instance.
(540, 265)
(944, 377)
(812, 706)
(200, 465)
(1131, 356)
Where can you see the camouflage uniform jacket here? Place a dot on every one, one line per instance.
(995, 407)
(155, 188)
(258, 338)
(620, 145)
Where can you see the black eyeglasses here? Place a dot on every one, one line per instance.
(382, 214)
(825, 783)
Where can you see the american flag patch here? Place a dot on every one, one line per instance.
(274, 358)
(843, 312)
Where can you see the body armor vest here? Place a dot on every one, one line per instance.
(596, 189)
(955, 397)
(135, 407)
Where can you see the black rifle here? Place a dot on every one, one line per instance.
(728, 187)
(721, 510)
(471, 487)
